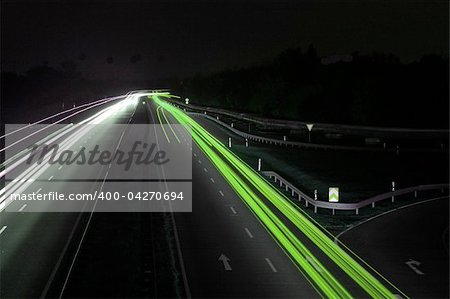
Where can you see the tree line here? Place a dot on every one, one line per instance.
(374, 89)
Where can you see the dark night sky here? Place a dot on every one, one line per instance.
(185, 37)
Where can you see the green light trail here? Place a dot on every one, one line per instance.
(162, 126)
(170, 126)
(321, 277)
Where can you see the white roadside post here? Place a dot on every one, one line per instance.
(284, 138)
(217, 117)
(260, 164)
(186, 101)
(246, 142)
(393, 189)
(309, 126)
(232, 125)
(229, 141)
(315, 194)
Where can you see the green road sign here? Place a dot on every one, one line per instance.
(333, 194)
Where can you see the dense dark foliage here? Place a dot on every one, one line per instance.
(363, 90)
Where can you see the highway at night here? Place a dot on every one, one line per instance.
(243, 238)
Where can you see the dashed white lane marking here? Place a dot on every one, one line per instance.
(3, 229)
(60, 167)
(206, 170)
(39, 190)
(233, 210)
(195, 155)
(271, 265)
(248, 233)
(212, 180)
(221, 193)
(50, 178)
(22, 208)
(200, 161)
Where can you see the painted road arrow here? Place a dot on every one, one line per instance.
(413, 265)
(226, 262)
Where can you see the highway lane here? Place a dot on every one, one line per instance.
(226, 251)
(125, 254)
(310, 237)
(410, 246)
(298, 284)
(33, 244)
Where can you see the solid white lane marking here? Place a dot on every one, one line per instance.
(50, 178)
(39, 190)
(221, 193)
(212, 180)
(206, 170)
(60, 167)
(248, 233)
(22, 208)
(233, 210)
(3, 229)
(271, 265)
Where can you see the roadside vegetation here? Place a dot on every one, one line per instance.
(374, 90)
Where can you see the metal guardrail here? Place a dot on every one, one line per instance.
(280, 142)
(332, 128)
(349, 206)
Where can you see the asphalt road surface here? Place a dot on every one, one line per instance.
(220, 249)
(125, 254)
(409, 246)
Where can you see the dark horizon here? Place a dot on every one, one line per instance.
(153, 40)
